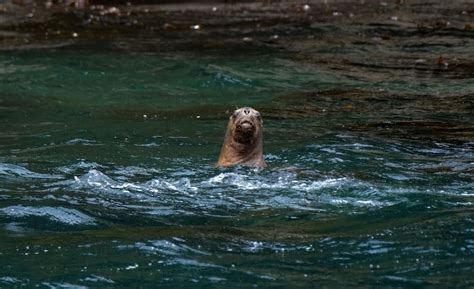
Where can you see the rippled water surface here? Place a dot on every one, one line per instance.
(107, 174)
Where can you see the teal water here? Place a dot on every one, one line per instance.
(107, 174)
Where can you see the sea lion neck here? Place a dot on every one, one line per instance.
(233, 152)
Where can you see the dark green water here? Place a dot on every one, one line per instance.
(107, 176)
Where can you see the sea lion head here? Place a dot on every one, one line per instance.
(246, 125)
(243, 141)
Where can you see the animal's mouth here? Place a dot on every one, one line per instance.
(246, 125)
(244, 131)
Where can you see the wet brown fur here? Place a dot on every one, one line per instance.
(243, 146)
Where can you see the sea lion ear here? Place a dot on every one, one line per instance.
(259, 117)
(234, 114)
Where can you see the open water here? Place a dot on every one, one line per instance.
(107, 176)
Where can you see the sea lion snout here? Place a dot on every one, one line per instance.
(246, 116)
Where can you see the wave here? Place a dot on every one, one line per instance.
(232, 190)
(54, 214)
(10, 170)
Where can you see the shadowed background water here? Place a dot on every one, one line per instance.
(107, 174)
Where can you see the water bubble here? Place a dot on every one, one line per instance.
(132, 267)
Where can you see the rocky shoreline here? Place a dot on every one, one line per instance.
(293, 26)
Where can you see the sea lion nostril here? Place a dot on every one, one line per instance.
(247, 111)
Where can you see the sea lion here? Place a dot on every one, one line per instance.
(243, 141)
